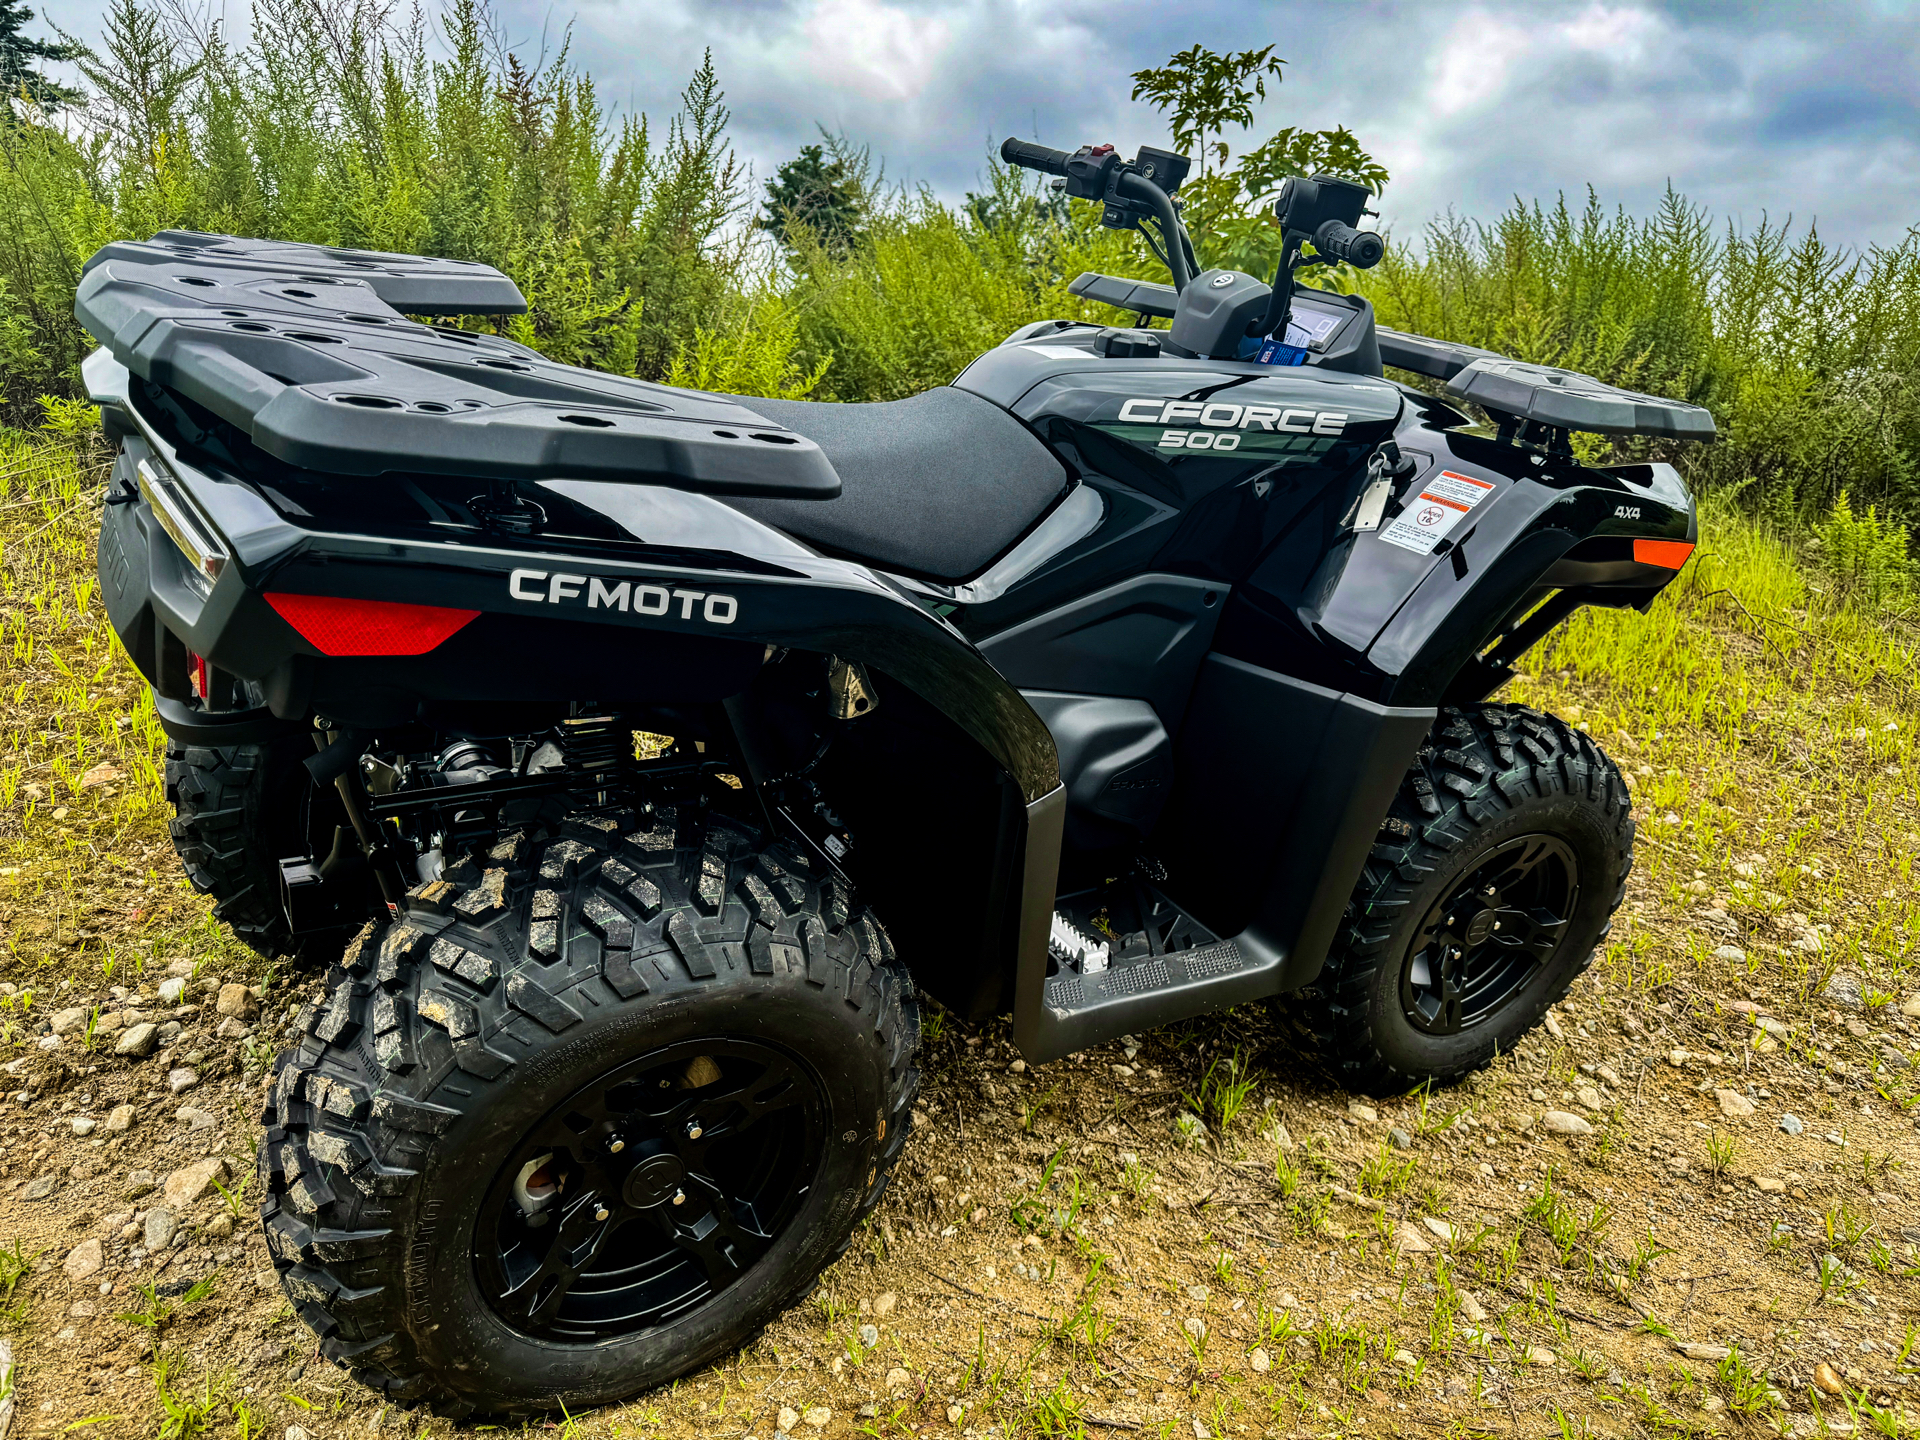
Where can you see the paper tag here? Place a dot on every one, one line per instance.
(1273, 352)
(1310, 329)
(1062, 352)
(1435, 511)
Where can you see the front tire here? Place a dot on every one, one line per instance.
(1496, 873)
(586, 1115)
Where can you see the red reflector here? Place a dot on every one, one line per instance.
(1668, 554)
(334, 625)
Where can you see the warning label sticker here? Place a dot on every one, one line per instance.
(1438, 508)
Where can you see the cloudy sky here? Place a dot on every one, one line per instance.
(1766, 106)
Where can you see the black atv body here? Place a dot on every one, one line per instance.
(1102, 640)
(1135, 674)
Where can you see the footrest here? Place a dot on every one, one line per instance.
(1185, 970)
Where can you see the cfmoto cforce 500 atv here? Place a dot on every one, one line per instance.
(643, 755)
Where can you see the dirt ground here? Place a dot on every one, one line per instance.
(1060, 1254)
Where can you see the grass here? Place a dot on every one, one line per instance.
(1766, 720)
(1223, 1092)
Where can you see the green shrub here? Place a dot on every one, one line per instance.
(1866, 555)
(636, 247)
(1805, 353)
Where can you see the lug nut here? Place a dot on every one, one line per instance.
(680, 1197)
(616, 1146)
(602, 1214)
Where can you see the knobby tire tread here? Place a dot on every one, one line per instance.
(428, 1014)
(217, 794)
(1480, 762)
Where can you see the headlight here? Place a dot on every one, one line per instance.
(191, 531)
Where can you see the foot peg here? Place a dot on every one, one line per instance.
(1164, 967)
(1074, 949)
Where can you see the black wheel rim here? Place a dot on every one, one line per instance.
(1477, 948)
(650, 1190)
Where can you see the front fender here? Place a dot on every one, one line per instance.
(1370, 613)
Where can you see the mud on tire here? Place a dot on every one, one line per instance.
(1491, 780)
(450, 1034)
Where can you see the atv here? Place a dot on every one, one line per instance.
(640, 758)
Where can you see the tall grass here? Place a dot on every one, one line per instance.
(635, 246)
(1806, 354)
(341, 130)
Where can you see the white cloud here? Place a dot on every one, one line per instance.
(1471, 69)
(879, 51)
(1746, 107)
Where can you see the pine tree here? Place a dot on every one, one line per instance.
(821, 191)
(17, 54)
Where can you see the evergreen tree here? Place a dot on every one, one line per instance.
(17, 54)
(823, 190)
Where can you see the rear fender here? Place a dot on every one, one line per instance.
(554, 624)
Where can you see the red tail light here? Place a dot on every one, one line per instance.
(1668, 554)
(334, 625)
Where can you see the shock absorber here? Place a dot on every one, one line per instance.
(595, 746)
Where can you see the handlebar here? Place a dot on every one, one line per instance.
(1034, 157)
(1360, 248)
(1136, 187)
(1095, 172)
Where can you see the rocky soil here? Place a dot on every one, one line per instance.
(1684, 1213)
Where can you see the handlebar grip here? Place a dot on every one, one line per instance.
(1034, 157)
(1362, 249)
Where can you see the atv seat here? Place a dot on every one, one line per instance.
(938, 484)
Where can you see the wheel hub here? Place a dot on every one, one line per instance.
(662, 1182)
(1480, 928)
(655, 1180)
(1493, 928)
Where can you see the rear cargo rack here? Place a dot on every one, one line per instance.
(308, 350)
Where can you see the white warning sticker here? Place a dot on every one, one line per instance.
(1435, 511)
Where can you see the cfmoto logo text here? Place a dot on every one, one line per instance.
(1220, 415)
(628, 596)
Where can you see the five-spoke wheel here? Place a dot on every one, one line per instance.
(1476, 947)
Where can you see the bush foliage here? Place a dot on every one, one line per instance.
(637, 247)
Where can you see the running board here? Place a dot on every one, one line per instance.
(1092, 998)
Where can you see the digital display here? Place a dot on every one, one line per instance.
(1310, 329)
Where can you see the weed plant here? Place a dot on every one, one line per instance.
(636, 246)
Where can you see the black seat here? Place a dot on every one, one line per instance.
(937, 484)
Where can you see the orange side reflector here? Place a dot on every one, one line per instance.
(1668, 554)
(336, 626)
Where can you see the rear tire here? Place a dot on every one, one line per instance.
(1422, 984)
(476, 1059)
(237, 811)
